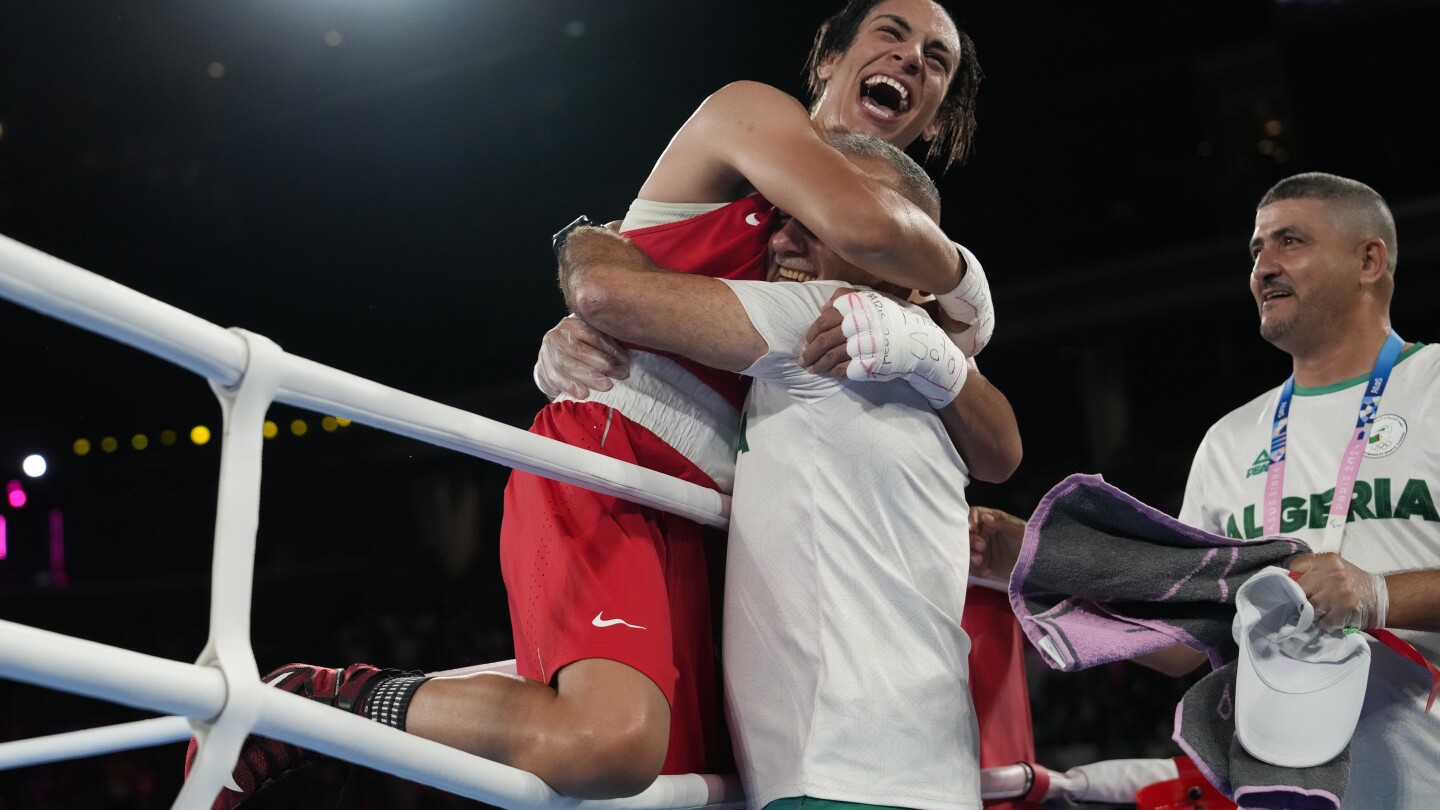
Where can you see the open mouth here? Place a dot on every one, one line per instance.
(1272, 295)
(884, 96)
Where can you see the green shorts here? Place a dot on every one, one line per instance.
(807, 803)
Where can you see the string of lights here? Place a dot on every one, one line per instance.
(198, 435)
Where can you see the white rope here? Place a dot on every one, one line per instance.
(56, 661)
(123, 736)
(93, 742)
(223, 695)
(50, 286)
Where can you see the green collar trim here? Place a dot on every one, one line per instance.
(1302, 391)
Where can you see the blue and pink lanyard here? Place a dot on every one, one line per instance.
(1349, 461)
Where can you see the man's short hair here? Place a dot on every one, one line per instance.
(1363, 209)
(956, 115)
(910, 180)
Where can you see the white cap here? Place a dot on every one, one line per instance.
(1298, 687)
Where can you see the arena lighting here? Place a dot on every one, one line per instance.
(33, 465)
(58, 577)
(200, 435)
(15, 495)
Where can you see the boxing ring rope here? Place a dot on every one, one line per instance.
(61, 290)
(220, 699)
(222, 694)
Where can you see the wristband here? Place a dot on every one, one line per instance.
(970, 302)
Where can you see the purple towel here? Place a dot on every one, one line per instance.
(1102, 577)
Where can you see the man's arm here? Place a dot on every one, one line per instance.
(1345, 595)
(615, 287)
(995, 540)
(1414, 600)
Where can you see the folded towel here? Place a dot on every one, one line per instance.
(1102, 577)
(1205, 731)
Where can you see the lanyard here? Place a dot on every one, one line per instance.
(1349, 461)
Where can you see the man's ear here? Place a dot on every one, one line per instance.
(1374, 259)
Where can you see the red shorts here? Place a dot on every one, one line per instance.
(593, 576)
(997, 683)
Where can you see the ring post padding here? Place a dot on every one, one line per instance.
(237, 518)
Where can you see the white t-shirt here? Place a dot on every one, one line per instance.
(1394, 526)
(845, 665)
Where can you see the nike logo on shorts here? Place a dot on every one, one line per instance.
(752, 218)
(599, 622)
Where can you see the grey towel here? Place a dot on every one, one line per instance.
(1103, 577)
(1205, 730)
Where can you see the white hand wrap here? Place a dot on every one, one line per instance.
(885, 340)
(970, 302)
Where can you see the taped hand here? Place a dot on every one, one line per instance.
(885, 341)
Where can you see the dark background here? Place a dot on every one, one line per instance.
(384, 204)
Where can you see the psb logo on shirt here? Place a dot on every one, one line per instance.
(1386, 435)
